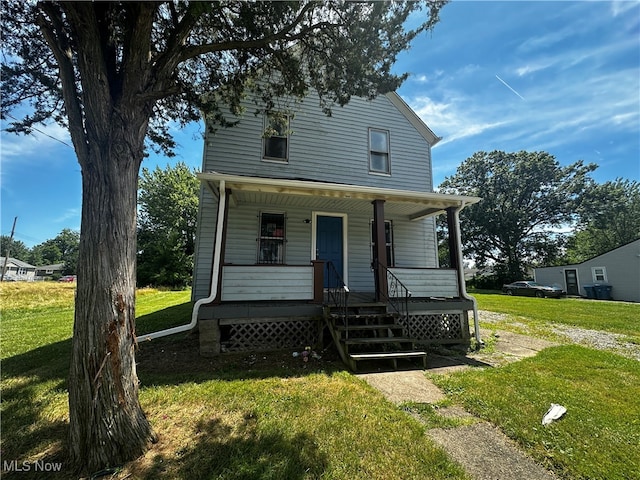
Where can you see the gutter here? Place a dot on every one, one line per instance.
(213, 291)
(462, 283)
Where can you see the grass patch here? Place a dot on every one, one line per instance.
(615, 317)
(241, 417)
(598, 438)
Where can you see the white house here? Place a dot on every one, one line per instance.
(17, 270)
(325, 230)
(618, 268)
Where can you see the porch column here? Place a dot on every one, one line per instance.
(379, 251)
(318, 281)
(223, 243)
(455, 252)
(454, 247)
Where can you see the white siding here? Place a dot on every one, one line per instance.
(429, 283)
(411, 241)
(328, 148)
(262, 282)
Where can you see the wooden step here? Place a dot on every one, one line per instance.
(392, 356)
(377, 340)
(351, 328)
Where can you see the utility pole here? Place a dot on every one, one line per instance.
(6, 256)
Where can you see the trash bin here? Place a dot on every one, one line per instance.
(590, 289)
(602, 291)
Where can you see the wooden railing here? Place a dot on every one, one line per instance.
(338, 293)
(397, 296)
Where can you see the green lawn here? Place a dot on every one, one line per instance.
(233, 419)
(615, 317)
(217, 420)
(599, 437)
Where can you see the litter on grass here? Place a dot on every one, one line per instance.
(554, 413)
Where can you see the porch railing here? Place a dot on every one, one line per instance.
(397, 296)
(338, 293)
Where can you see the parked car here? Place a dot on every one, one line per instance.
(532, 289)
(67, 278)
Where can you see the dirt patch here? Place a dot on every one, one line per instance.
(171, 357)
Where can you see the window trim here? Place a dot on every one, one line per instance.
(391, 262)
(287, 136)
(281, 257)
(387, 133)
(594, 274)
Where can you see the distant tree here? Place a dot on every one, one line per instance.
(526, 198)
(17, 249)
(117, 73)
(61, 249)
(168, 201)
(609, 217)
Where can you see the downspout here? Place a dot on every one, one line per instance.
(462, 283)
(213, 291)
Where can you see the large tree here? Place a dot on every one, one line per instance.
(609, 216)
(168, 201)
(116, 73)
(527, 197)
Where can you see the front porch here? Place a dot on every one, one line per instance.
(253, 314)
(283, 251)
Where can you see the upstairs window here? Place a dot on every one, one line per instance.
(271, 241)
(275, 142)
(379, 158)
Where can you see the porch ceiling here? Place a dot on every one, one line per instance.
(332, 196)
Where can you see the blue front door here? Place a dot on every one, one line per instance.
(329, 243)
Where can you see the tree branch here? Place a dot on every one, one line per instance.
(57, 40)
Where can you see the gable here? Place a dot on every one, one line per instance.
(331, 148)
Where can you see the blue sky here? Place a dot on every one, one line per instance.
(561, 77)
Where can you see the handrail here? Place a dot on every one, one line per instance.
(397, 295)
(338, 293)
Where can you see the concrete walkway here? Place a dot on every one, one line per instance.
(482, 449)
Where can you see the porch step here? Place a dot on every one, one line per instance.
(393, 356)
(382, 326)
(377, 340)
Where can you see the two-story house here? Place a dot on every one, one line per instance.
(320, 228)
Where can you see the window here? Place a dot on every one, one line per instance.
(276, 138)
(388, 235)
(379, 151)
(271, 241)
(599, 274)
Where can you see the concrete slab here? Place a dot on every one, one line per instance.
(404, 386)
(487, 454)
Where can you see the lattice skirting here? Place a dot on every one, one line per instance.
(437, 327)
(243, 335)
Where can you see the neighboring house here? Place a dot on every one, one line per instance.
(45, 271)
(619, 268)
(322, 228)
(17, 270)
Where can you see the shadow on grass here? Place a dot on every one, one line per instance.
(162, 319)
(241, 452)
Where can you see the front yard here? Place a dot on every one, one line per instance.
(273, 416)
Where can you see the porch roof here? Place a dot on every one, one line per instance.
(319, 195)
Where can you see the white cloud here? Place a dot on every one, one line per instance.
(452, 121)
(68, 214)
(18, 147)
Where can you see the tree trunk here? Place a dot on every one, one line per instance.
(107, 424)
